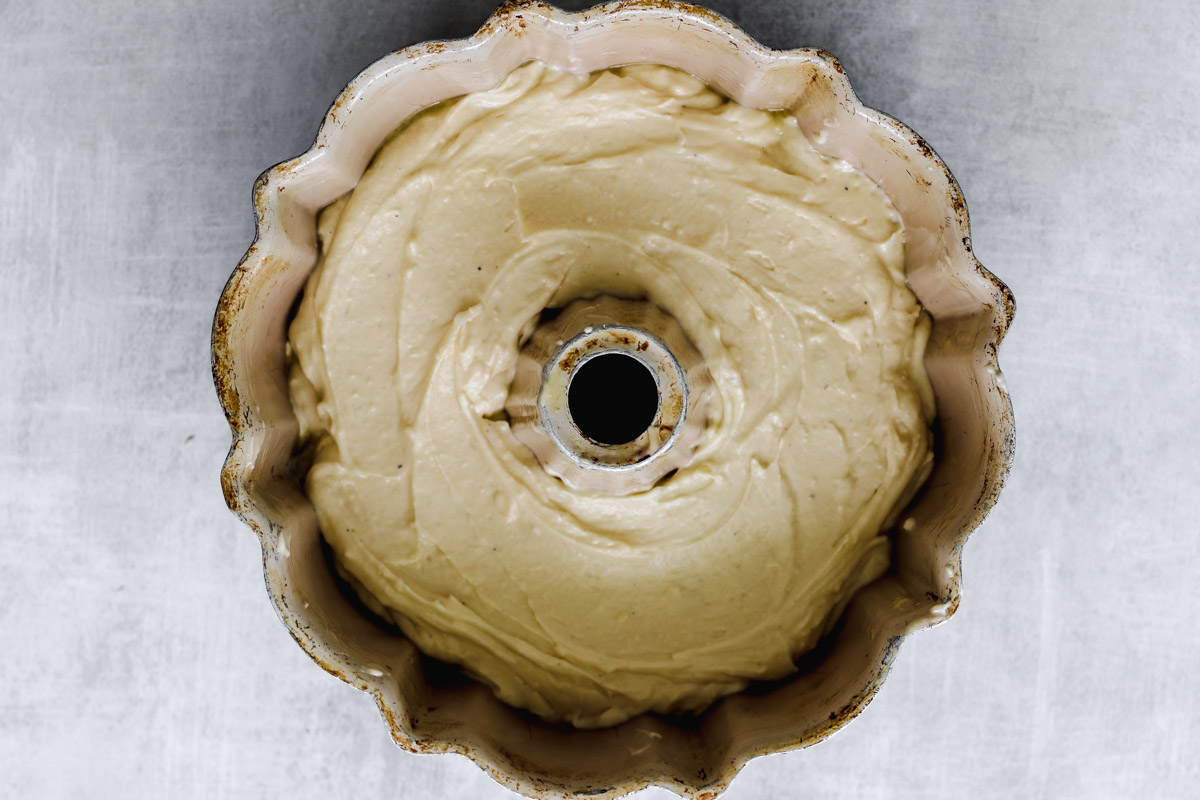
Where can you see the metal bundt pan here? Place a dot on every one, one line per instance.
(430, 708)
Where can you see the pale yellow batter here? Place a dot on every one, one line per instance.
(785, 269)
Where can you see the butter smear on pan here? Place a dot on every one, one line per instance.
(784, 268)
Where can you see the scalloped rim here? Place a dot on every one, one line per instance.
(510, 22)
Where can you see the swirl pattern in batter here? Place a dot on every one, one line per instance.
(786, 271)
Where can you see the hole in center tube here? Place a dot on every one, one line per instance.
(613, 398)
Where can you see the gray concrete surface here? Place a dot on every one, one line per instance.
(139, 656)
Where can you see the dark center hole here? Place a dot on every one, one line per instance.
(613, 398)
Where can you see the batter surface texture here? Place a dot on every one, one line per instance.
(786, 271)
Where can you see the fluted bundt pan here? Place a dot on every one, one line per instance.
(430, 707)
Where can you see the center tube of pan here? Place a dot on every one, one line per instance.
(613, 397)
(609, 395)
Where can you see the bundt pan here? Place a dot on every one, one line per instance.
(430, 707)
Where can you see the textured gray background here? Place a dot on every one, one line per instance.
(139, 656)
